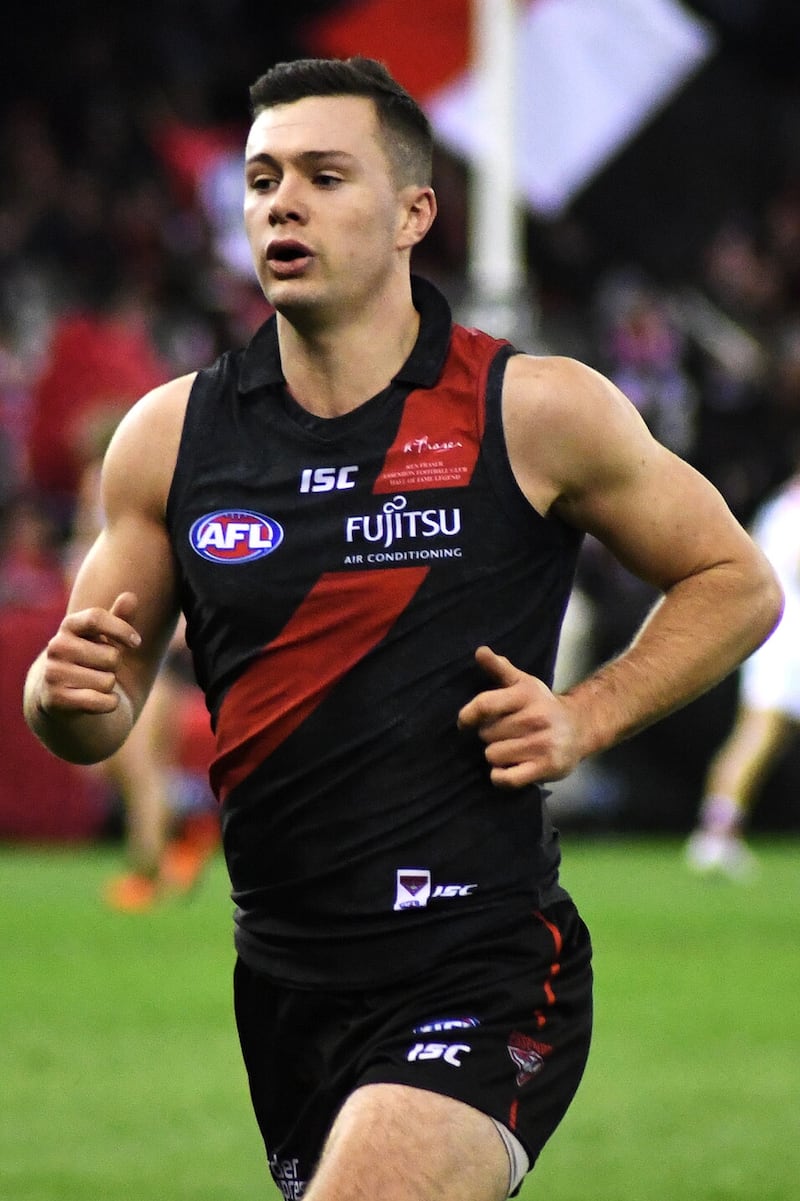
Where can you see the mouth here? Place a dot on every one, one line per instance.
(288, 257)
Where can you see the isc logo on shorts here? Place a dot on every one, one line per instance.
(235, 536)
(449, 1052)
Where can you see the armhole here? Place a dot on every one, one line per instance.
(498, 465)
(493, 447)
(198, 394)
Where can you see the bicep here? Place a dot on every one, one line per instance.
(659, 517)
(581, 450)
(132, 552)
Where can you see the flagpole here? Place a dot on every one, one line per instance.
(500, 300)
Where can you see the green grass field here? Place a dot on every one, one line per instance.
(120, 1075)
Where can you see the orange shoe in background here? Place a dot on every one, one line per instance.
(131, 893)
(187, 856)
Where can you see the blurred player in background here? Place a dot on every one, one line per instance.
(768, 712)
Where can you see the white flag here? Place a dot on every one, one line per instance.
(589, 74)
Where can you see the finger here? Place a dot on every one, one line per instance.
(518, 762)
(487, 708)
(80, 686)
(125, 607)
(83, 700)
(518, 776)
(104, 625)
(498, 667)
(509, 752)
(90, 671)
(500, 720)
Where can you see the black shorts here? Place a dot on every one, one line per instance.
(504, 1027)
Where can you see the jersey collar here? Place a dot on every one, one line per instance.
(261, 360)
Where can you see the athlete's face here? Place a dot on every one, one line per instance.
(325, 219)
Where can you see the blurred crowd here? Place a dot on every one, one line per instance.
(122, 264)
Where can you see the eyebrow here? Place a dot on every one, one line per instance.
(305, 158)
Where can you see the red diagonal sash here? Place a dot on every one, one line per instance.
(341, 619)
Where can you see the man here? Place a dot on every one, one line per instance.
(768, 712)
(371, 521)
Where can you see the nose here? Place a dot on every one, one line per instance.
(287, 205)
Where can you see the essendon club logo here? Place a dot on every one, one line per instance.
(527, 1055)
(413, 888)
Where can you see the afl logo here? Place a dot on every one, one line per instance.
(235, 536)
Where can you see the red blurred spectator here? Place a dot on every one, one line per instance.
(31, 574)
(99, 363)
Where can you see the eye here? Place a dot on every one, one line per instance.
(263, 183)
(325, 180)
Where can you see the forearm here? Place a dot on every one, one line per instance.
(695, 636)
(73, 735)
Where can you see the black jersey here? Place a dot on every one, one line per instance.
(337, 576)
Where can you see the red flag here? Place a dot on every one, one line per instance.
(424, 43)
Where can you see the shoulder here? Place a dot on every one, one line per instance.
(560, 391)
(567, 427)
(141, 457)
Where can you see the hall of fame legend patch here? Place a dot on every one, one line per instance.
(425, 462)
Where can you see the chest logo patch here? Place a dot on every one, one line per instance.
(235, 536)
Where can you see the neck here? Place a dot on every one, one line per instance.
(334, 366)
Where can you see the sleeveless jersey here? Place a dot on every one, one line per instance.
(337, 576)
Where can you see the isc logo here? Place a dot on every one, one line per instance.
(235, 536)
(452, 890)
(327, 479)
(448, 1052)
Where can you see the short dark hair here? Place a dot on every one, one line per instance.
(406, 130)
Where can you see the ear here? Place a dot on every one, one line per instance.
(417, 214)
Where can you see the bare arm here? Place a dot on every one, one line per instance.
(86, 689)
(580, 450)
